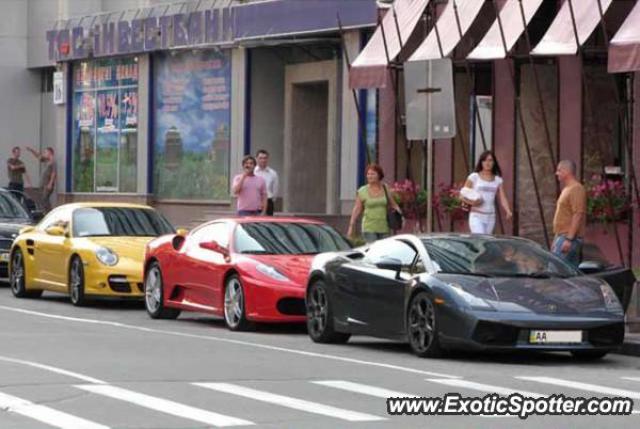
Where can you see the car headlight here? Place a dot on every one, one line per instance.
(271, 272)
(611, 301)
(472, 300)
(106, 256)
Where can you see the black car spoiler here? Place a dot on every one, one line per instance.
(622, 280)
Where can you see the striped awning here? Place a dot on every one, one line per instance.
(370, 68)
(624, 48)
(448, 31)
(491, 47)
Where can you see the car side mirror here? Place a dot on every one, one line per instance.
(591, 267)
(391, 264)
(56, 231)
(214, 247)
(37, 215)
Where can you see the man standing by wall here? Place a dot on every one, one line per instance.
(570, 218)
(49, 174)
(270, 177)
(15, 171)
(250, 190)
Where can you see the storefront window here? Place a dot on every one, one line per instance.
(192, 123)
(105, 129)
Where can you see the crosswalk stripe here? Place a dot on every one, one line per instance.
(378, 392)
(631, 378)
(583, 386)
(289, 402)
(164, 405)
(483, 387)
(59, 419)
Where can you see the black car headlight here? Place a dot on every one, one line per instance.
(473, 301)
(611, 301)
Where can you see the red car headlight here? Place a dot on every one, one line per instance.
(270, 271)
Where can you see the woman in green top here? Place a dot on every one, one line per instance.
(371, 202)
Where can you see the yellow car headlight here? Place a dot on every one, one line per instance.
(107, 256)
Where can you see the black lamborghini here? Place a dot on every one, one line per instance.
(446, 291)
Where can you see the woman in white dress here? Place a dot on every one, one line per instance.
(486, 182)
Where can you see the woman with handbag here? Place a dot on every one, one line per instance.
(479, 192)
(380, 212)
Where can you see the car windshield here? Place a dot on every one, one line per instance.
(10, 208)
(495, 257)
(119, 222)
(279, 238)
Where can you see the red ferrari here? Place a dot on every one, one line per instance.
(246, 269)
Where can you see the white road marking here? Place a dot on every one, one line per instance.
(289, 402)
(378, 392)
(164, 405)
(631, 378)
(488, 388)
(52, 369)
(230, 341)
(583, 386)
(41, 413)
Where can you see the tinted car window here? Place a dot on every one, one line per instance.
(496, 257)
(279, 238)
(119, 222)
(10, 208)
(391, 249)
(218, 232)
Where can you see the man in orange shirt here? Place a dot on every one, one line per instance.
(571, 213)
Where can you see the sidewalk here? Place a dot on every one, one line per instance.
(631, 345)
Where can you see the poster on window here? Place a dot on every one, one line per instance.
(191, 127)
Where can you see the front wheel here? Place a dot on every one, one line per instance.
(422, 327)
(235, 315)
(320, 316)
(153, 295)
(18, 278)
(76, 282)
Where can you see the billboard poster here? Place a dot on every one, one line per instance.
(191, 125)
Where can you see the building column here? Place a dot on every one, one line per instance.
(238, 110)
(349, 126)
(145, 144)
(504, 142)
(387, 130)
(570, 99)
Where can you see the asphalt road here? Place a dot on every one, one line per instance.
(110, 366)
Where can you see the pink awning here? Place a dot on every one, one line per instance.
(448, 30)
(560, 38)
(491, 46)
(369, 70)
(624, 48)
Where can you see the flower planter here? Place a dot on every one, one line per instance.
(600, 242)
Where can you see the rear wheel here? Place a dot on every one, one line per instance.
(235, 315)
(76, 282)
(320, 316)
(153, 295)
(18, 278)
(422, 326)
(589, 354)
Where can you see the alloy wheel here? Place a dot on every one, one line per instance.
(422, 322)
(17, 273)
(153, 290)
(233, 303)
(317, 310)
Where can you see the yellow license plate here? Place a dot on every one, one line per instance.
(4, 257)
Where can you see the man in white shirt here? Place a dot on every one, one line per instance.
(270, 176)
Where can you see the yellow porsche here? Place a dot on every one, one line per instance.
(85, 250)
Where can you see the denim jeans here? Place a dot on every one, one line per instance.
(370, 237)
(249, 212)
(573, 255)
